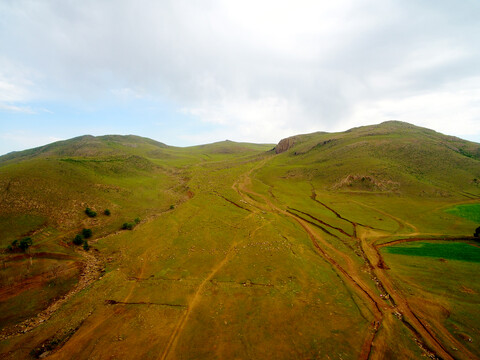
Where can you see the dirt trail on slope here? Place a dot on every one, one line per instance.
(402, 224)
(174, 337)
(428, 342)
(440, 328)
(351, 276)
(401, 306)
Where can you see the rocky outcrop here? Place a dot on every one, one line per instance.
(284, 145)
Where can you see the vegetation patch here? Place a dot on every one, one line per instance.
(90, 212)
(467, 211)
(20, 245)
(444, 250)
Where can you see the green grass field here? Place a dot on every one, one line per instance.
(449, 251)
(468, 211)
(242, 253)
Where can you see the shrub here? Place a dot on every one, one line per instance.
(25, 243)
(137, 220)
(86, 247)
(21, 245)
(128, 226)
(477, 232)
(87, 233)
(107, 212)
(90, 212)
(78, 240)
(172, 207)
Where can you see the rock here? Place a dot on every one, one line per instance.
(284, 145)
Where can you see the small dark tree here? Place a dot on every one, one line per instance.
(87, 233)
(25, 243)
(13, 246)
(137, 220)
(107, 212)
(86, 247)
(477, 232)
(127, 226)
(172, 207)
(90, 212)
(78, 240)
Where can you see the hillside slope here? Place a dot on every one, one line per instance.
(347, 245)
(390, 157)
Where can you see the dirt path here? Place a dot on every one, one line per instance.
(174, 337)
(402, 224)
(426, 339)
(403, 305)
(351, 275)
(172, 342)
(430, 343)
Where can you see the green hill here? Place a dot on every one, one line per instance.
(327, 245)
(390, 157)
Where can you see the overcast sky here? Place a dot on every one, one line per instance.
(191, 72)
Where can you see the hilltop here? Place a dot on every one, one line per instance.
(353, 245)
(390, 157)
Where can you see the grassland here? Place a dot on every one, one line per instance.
(241, 252)
(467, 211)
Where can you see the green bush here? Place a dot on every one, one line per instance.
(107, 212)
(137, 220)
(21, 245)
(172, 207)
(78, 240)
(90, 212)
(128, 226)
(25, 243)
(87, 233)
(86, 247)
(477, 232)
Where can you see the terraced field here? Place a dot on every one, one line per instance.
(342, 246)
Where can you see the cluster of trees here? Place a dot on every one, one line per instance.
(92, 213)
(20, 245)
(81, 238)
(130, 226)
(477, 232)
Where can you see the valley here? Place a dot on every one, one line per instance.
(326, 246)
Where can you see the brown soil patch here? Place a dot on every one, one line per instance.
(467, 290)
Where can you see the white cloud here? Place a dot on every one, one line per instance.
(14, 108)
(252, 68)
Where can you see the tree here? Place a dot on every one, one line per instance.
(86, 247)
(137, 220)
(78, 240)
(90, 212)
(477, 232)
(25, 243)
(21, 245)
(87, 233)
(107, 212)
(127, 226)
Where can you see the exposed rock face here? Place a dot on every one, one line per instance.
(284, 145)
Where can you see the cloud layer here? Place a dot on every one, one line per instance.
(250, 70)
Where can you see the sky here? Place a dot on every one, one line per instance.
(194, 72)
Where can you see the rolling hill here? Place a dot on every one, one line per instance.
(344, 245)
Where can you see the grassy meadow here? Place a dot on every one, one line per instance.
(354, 245)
